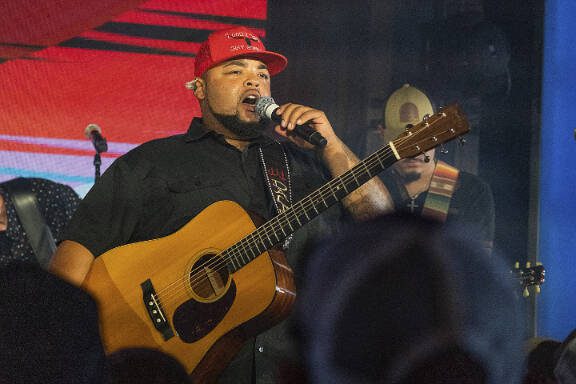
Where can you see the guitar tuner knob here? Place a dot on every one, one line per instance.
(443, 149)
(462, 140)
(426, 158)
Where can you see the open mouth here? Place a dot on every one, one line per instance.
(250, 100)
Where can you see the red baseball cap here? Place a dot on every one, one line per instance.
(237, 42)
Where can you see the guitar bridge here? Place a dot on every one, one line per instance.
(155, 311)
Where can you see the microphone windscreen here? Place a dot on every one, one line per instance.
(265, 106)
(92, 128)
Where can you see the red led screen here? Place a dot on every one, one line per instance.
(119, 64)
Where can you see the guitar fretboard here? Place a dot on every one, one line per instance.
(282, 225)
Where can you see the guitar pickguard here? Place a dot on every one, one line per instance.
(193, 319)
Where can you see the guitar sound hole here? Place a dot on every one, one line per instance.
(209, 277)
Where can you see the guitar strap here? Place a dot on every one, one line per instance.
(37, 231)
(277, 176)
(440, 193)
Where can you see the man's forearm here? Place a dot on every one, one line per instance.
(369, 200)
(71, 262)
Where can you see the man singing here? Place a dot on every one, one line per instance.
(158, 187)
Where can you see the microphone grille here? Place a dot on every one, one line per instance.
(91, 128)
(262, 104)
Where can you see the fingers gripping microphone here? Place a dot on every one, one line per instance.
(94, 133)
(266, 108)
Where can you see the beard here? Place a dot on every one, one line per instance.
(408, 177)
(405, 176)
(242, 129)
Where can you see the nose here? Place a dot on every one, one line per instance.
(252, 82)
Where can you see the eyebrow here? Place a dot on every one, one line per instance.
(243, 64)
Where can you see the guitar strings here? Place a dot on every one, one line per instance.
(239, 248)
(202, 272)
(195, 276)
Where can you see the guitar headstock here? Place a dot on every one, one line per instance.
(449, 123)
(530, 276)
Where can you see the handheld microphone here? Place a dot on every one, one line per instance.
(266, 107)
(94, 133)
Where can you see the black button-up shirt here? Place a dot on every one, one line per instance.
(155, 189)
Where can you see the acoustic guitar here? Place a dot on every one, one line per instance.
(201, 292)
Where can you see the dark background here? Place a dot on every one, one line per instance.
(347, 57)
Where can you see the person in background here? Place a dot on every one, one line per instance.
(48, 329)
(541, 360)
(143, 366)
(565, 369)
(428, 187)
(56, 204)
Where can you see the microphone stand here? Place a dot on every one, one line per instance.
(97, 164)
(100, 146)
(94, 133)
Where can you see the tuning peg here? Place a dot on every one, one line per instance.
(537, 288)
(462, 140)
(426, 157)
(425, 117)
(443, 149)
(525, 292)
(528, 264)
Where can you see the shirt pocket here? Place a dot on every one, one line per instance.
(194, 183)
(190, 195)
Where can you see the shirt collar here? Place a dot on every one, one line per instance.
(197, 131)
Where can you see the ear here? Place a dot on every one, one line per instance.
(199, 88)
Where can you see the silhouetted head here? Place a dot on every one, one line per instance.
(565, 371)
(48, 329)
(404, 300)
(144, 366)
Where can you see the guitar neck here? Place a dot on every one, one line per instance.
(434, 130)
(282, 225)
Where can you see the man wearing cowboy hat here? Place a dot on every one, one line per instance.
(428, 187)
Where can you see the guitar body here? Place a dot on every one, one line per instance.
(175, 293)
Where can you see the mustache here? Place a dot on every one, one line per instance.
(415, 159)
